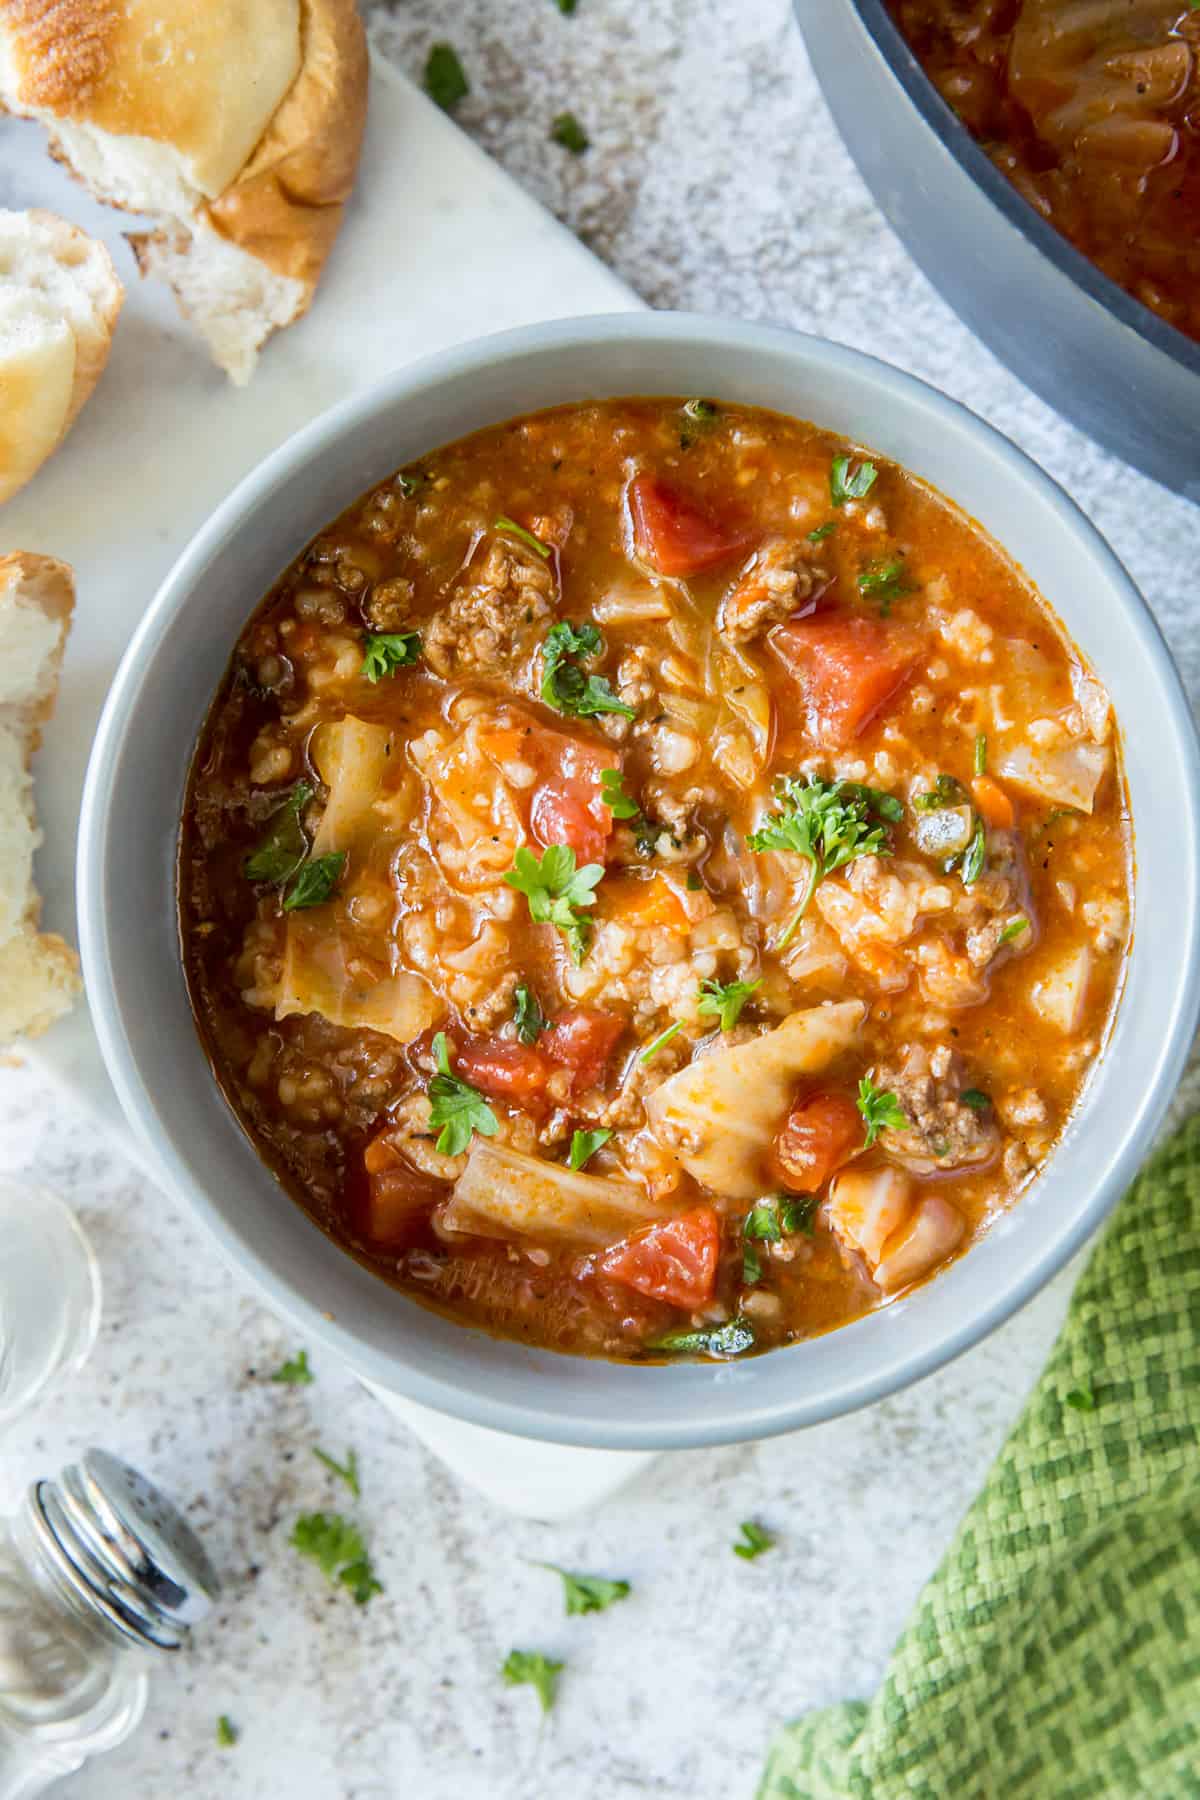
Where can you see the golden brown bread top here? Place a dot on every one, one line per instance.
(200, 77)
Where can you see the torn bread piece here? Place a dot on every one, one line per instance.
(39, 973)
(236, 125)
(59, 301)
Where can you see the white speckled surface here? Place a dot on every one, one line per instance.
(715, 181)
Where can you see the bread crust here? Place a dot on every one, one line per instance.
(90, 357)
(50, 585)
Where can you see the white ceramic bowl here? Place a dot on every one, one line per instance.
(129, 832)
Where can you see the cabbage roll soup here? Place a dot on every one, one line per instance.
(655, 879)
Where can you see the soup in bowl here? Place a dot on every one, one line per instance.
(657, 880)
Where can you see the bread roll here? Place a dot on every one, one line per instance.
(59, 300)
(39, 973)
(236, 124)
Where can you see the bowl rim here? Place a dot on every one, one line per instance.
(954, 137)
(729, 1417)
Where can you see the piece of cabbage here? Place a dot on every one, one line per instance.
(719, 1115)
(475, 828)
(504, 1193)
(1067, 777)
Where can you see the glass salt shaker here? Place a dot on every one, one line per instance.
(97, 1570)
(49, 1295)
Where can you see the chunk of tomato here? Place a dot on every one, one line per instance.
(675, 535)
(394, 1197)
(582, 1039)
(503, 1069)
(849, 668)
(817, 1137)
(675, 1261)
(567, 807)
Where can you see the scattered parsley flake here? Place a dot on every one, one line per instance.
(455, 1106)
(445, 79)
(512, 529)
(946, 791)
(615, 795)
(337, 1548)
(729, 1339)
(316, 882)
(528, 1016)
(976, 1099)
(587, 1593)
(799, 1214)
(284, 847)
(981, 749)
(751, 1265)
(295, 1372)
(584, 1145)
(664, 1037)
(754, 1541)
(846, 483)
(880, 1109)
(387, 651)
(557, 892)
(887, 581)
(227, 1732)
(1014, 929)
(975, 856)
(529, 1668)
(565, 686)
(725, 1001)
(347, 1471)
(567, 131)
(822, 532)
(828, 822)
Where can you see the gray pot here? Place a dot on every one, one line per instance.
(1096, 355)
(129, 837)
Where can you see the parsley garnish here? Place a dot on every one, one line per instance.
(976, 1099)
(1082, 1399)
(822, 532)
(780, 1216)
(725, 1002)
(850, 484)
(584, 1145)
(567, 131)
(567, 6)
(888, 581)
(455, 1106)
(981, 753)
(315, 882)
(511, 527)
(528, 1015)
(947, 790)
(880, 1109)
(828, 822)
(587, 1593)
(337, 1548)
(387, 651)
(729, 1339)
(975, 855)
(347, 1471)
(529, 1668)
(700, 412)
(295, 1372)
(754, 1541)
(751, 1266)
(799, 1215)
(410, 483)
(565, 687)
(558, 892)
(664, 1037)
(284, 847)
(616, 797)
(227, 1732)
(762, 1222)
(445, 82)
(1014, 929)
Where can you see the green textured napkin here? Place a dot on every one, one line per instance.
(1055, 1655)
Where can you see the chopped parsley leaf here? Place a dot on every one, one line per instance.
(946, 791)
(1014, 929)
(316, 882)
(558, 892)
(762, 1222)
(337, 1548)
(227, 1732)
(800, 1215)
(587, 1593)
(729, 1339)
(880, 1109)
(567, 6)
(410, 482)
(751, 1265)
(512, 529)
(445, 80)
(664, 1037)
(529, 1668)
(725, 1001)
(701, 412)
(284, 847)
(754, 1541)
(567, 131)
(584, 1145)
(975, 855)
(387, 651)
(565, 686)
(976, 1099)
(615, 795)
(981, 748)
(455, 1106)
(347, 1471)
(887, 581)
(295, 1372)
(828, 822)
(528, 1016)
(846, 483)
(822, 532)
